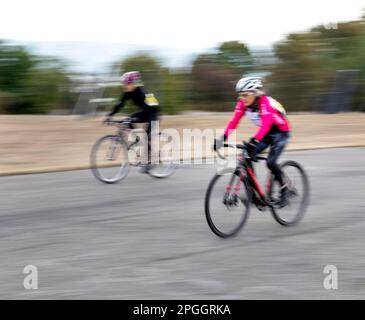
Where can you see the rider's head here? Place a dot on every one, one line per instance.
(131, 80)
(249, 88)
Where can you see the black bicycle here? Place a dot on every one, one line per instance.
(112, 155)
(232, 191)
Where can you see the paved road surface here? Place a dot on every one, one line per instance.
(148, 238)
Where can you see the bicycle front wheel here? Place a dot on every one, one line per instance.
(109, 159)
(298, 194)
(227, 203)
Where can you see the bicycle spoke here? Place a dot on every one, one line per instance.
(297, 195)
(226, 204)
(109, 159)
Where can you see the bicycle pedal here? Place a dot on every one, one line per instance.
(261, 208)
(145, 168)
(258, 202)
(278, 204)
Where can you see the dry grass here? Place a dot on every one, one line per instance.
(52, 143)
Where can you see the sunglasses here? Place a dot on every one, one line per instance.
(245, 94)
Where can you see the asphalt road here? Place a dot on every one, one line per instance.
(148, 239)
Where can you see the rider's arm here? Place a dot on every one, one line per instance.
(120, 105)
(267, 120)
(239, 112)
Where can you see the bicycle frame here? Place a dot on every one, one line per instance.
(243, 176)
(124, 129)
(246, 173)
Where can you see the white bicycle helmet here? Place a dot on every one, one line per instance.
(250, 84)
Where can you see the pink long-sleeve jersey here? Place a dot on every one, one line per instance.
(270, 113)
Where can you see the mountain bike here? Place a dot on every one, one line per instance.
(232, 192)
(112, 155)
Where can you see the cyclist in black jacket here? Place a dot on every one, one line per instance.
(134, 90)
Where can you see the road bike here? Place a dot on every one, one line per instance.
(232, 192)
(112, 155)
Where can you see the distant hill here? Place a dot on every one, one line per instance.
(90, 57)
(96, 57)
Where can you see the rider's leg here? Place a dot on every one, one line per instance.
(136, 117)
(261, 146)
(139, 117)
(279, 141)
(146, 116)
(151, 116)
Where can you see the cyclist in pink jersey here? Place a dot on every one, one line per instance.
(269, 115)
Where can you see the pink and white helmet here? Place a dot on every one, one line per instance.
(130, 77)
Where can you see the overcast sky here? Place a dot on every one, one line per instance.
(184, 24)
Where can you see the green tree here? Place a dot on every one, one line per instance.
(177, 91)
(235, 56)
(308, 63)
(29, 83)
(215, 74)
(298, 76)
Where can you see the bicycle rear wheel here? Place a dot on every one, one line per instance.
(165, 164)
(161, 170)
(298, 194)
(109, 159)
(227, 203)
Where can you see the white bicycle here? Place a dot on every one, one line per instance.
(112, 155)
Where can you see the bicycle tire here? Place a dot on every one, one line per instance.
(305, 198)
(208, 214)
(96, 169)
(162, 170)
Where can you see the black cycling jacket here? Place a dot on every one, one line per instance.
(138, 96)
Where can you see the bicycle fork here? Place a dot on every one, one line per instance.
(232, 191)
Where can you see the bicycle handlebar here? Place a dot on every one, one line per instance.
(117, 122)
(238, 146)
